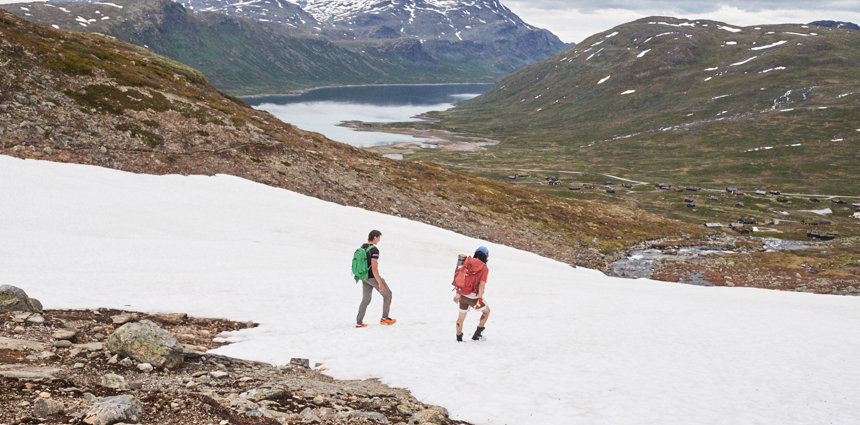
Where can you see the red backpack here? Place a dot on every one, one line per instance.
(468, 276)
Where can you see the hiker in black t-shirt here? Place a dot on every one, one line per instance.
(374, 281)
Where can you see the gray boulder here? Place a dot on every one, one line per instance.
(13, 298)
(111, 410)
(45, 407)
(146, 342)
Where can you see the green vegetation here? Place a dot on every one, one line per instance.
(152, 140)
(785, 120)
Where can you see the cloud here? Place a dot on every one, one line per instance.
(574, 24)
(691, 6)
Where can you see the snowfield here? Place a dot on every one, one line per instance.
(564, 345)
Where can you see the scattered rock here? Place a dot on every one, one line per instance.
(114, 381)
(36, 318)
(308, 416)
(300, 362)
(112, 410)
(28, 373)
(145, 367)
(63, 343)
(146, 342)
(13, 298)
(47, 150)
(432, 415)
(22, 345)
(260, 394)
(374, 416)
(172, 318)
(45, 407)
(218, 374)
(126, 362)
(67, 334)
(121, 319)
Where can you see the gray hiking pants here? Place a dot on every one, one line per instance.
(367, 287)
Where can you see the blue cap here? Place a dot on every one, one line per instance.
(483, 249)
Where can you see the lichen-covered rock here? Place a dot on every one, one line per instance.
(433, 415)
(146, 342)
(13, 298)
(374, 416)
(260, 394)
(113, 381)
(111, 410)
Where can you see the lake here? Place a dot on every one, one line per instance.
(321, 110)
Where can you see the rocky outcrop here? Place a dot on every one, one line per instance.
(111, 410)
(13, 298)
(146, 342)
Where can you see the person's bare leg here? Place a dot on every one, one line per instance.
(460, 319)
(485, 314)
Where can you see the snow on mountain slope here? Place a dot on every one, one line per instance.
(565, 346)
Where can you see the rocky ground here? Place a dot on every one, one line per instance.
(55, 368)
(726, 260)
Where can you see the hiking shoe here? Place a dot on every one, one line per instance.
(362, 325)
(477, 336)
(387, 321)
(460, 337)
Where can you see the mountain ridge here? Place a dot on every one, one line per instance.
(676, 91)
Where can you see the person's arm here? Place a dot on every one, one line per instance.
(374, 265)
(481, 289)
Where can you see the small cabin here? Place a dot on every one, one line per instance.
(814, 200)
(713, 225)
(731, 189)
(610, 191)
(574, 188)
(689, 200)
(627, 186)
(781, 199)
(608, 183)
(713, 198)
(691, 205)
(775, 192)
(838, 201)
(856, 215)
(761, 192)
(692, 189)
(512, 177)
(740, 204)
(665, 187)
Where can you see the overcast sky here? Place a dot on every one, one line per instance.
(575, 20)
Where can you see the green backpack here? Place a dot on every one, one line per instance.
(360, 268)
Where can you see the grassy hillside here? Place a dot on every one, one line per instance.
(696, 103)
(88, 98)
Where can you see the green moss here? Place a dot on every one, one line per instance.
(112, 100)
(152, 140)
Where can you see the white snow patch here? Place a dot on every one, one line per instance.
(743, 61)
(643, 53)
(838, 140)
(54, 26)
(604, 79)
(606, 342)
(612, 35)
(628, 92)
(796, 145)
(712, 69)
(825, 211)
(778, 43)
(731, 43)
(779, 68)
(786, 110)
(796, 33)
(709, 78)
(720, 97)
(729, 29)
(110, 4)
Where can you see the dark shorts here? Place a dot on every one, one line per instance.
(466, 303)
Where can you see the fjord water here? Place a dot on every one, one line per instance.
(321, 110)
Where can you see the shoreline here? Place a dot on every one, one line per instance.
(299, 92)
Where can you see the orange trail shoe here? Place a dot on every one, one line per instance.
(387, 321)
(363, 325)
